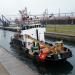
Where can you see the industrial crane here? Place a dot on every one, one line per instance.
(4, 21)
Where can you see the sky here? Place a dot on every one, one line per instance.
(11, 7)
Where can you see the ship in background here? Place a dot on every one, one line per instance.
(30, 39)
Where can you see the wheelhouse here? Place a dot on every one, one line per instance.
(25, 27)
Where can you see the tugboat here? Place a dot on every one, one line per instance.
(31, 41)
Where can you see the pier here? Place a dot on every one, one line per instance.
(10, 65)
(60, 36)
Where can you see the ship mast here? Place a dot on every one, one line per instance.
(24, 16)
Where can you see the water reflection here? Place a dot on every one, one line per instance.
(4, 33)
(60, 68)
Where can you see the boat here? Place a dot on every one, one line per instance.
(31, 40)
(28, 41)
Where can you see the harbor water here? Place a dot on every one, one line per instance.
(62, 68)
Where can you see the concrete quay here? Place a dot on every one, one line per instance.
(60, 36)
(10, 65)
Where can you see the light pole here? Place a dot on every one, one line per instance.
(55, 25)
